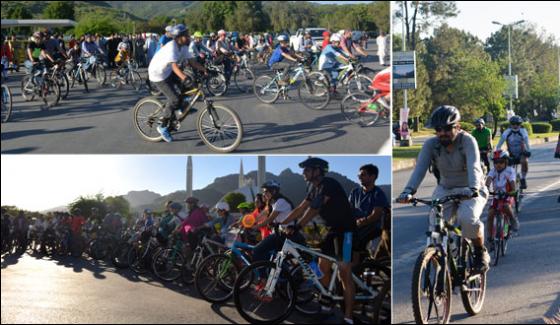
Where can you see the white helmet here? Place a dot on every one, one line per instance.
(335, 38)
(222, 206)
(221, 32)
(282, 38)
(168, 29)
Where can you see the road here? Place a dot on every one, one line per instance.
(101, 123)
(525, 286)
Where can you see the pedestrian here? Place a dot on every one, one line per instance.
(381, 47)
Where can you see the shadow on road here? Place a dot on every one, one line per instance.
(25, 133)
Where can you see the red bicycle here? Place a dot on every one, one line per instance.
(363, 110)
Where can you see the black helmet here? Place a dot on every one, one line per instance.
(315, 163)
(271, 185)
(515, 120)
(444, 116)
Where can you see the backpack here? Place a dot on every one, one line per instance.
(433, 169)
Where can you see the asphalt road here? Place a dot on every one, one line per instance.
(100, 122)
(525, 286)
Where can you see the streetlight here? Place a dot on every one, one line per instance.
(509, 26)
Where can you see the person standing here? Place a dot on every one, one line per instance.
(381, 47)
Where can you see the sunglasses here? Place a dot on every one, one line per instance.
(515, 124)
(446, 128)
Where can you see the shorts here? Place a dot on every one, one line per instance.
(338, 245)
(364, 235)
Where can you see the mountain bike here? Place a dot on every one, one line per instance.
(205, 248)
(7, 103)
(501, 228)
(349, 78)
(77, 74)
(39, 83)
(125, 75)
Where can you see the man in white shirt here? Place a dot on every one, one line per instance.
(165, 73)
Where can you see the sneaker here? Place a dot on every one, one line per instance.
(523, 184)
(164, 133)
(481, 260)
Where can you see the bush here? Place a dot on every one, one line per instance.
(541, 127)
(527, 126)
(555, 125)
(467, 126)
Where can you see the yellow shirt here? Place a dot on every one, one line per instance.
(122, 56)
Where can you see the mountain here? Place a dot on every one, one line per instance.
(150, 9)
(138, 198)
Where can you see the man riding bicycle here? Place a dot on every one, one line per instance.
(165, 73)
(517, 140)
(198, 50)
(328, 199)
(348, 44)
(89, 51)
(36, 52)
(483, 137)
(455, 155)
(277, 61)
(502, 179)
(330, 60)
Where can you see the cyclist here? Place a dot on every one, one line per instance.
(347, 44)
(164, 72)
(330, 59)
(21, 226)
(224, 221)
(198, 50)
(89, 51)
(517, 140)
(483, 137)
(455, 155)
(369, 203)
(36, 52)
(193, 222)
(502, 179)
(328, 199)
(165, 38)
(211, 42)
(278, 209)
(6, 226)
(170, 223)
(123, 55)
(225, 53)
(53, 46)
(277, 62)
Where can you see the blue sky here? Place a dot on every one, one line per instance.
(39, 182)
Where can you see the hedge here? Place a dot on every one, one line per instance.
(555, 125)
(467, 126)
(541, 127)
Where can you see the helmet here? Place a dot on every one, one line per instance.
(38, 35)
(315, 163)
(179, 30)
(176, 206)
(148, 211)
(499, 155)
(221, 32)
(282, 38)
(222, 206)
(444, 116)
(479, 121)
(244, 205)
(326, 33)
(124, 46)
(197, 34)
(516, 120)
(212, 34)
(336, 38)
(168, 29)
(192, 200)
(271, 184)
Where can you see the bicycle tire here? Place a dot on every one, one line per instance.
(246, 72)
(7, 103)
(160, 258)
(316, 88)
(473, 308)
(266, 82)
(231, 121)
(151, 119)
(211, 262)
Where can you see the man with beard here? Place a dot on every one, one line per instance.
(455, 154)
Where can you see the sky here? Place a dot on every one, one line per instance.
(41, 182)
(476, 16)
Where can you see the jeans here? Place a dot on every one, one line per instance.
(273, 243)
(333, 73)
(169, 89)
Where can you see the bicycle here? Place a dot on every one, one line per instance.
(501, 228)
(360, 109)
(219, 127)
(515, 162)
(348, 77)
(205, 248)
(97, 70)
(7, 102)
(443, 266)
(167, 263)
(77, 73)
(242, 74)
(125, 75)
(281, 285)
(313, 93)
(39, 83)
(140, 256)
(58, 74)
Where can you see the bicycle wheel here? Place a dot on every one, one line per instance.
(431, 290)
(98, 250)
(135, 80)
(215, 278)
(243, 78)
(220, 128)
(216, 83)
(83, 76)
(382, 307)
(354, 109)
(474, 289)
(136, 262)
(100, 74)
(266, 89)
(167, 264)
(188, 272)
(147, 114)
(115, 80)
(6, 103)
(27, 88)
(50, 92)
(308, 295)
(358, 84)
(251, 300)
(62, 80)
(368, 72)
(314, 93)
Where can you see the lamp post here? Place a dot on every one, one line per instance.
(509, 26)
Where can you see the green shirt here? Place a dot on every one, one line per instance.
(482, 138)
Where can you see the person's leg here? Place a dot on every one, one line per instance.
(468, 214)
(512, 217)
(490, 226)
(262, 250)
(345, 273)
(167, 87)
(524, 171)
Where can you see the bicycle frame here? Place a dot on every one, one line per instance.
(292, 249)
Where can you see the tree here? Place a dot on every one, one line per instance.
(216, 12)
(59, 10)
(233, 199)
(86, 204)
(248, 16)
(118, 204)
(18, 11)
(379, 12)
(95, 24)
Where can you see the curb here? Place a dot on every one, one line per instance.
(404, 164)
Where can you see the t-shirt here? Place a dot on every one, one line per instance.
(168, 224)
(283, 208)
(337, 211)
(277, 55)
(35, 50)
(363, 203)
(516, 141)
(77, 223)
(501, 179)
(328, 58)
(163, 41)
(160, 66)
(482, 137)
(122, 56)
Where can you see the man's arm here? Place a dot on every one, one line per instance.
(502, 139)
(297, 212)
(422, 165)
(374, 217)
(474, 170)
